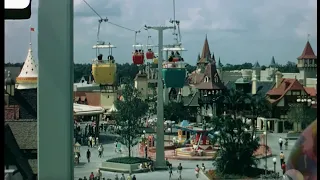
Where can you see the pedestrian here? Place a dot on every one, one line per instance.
(170, 172)
(286, 144)
(100, 150)
(85, 178)
(91, 177)
(203, 168)
(134, 177)
(88, 155)
(99, 175)
(129, 177)
(116, 177)
(281, 158)
(283, 167)
(180, 170)
(146, 151)
(197, 169)
(280, 143)
(90, 141)
(116, 148)
(122, 177)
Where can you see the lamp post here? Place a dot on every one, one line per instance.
(266, 152)
(274, 164)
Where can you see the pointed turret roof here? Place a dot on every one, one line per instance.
(206, 54)
(213, 58)
(308, 52)
(219, 64)
(199, 57)
(28, 76)
(256, 65)
(273, 62)
(211, 79)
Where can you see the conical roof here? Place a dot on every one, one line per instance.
(205, 49)
(256, 65)
(308, 52)
(219, 65)
(28, 76)
(273, 62)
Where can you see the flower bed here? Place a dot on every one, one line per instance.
(128, 160)
(261, 151)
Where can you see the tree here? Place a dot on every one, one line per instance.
(260, 106)
(235, 155)
(237, 145)
(129, 116)
(301, 114)
(176, 111)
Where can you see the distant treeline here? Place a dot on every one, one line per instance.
(130, 70)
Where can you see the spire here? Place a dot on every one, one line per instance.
(205, 49)
(199, 57)
(273, 62)
(219, 65)
(28, 76)
(256, 65)
(308, 52)
(213, 58)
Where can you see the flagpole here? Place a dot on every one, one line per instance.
(30, 43)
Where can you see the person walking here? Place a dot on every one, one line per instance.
(203, 168)
(100, 150)
(134, 177)
(180, 171)
(286, 144)
(170, 172)
(129, 177)
(283, 167)
(85, 178)
(88, 155)
(146, 151)
(91, 177)
(116, 177)
(90, 141)
(197, 169)
(280, 143)
(281, 158)
(122, 177)
(99, 175)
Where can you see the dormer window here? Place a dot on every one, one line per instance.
(216, 79)
(206, 79)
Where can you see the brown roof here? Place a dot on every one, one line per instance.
(93, 98)
(307, 52)
(285, 85)
(206, 54)
(195, 78)
(25, 132)
(311, 91)
(213, 77)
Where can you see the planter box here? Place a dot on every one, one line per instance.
(293, 136)
(120, 167)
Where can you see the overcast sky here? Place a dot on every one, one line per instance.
(238, 31)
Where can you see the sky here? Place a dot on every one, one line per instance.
(237, 31)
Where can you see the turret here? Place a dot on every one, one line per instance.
(28, 76)
(220, 69)
(256, 71)
(307, 63)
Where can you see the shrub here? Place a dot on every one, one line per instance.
(128, 160)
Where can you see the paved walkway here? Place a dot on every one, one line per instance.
(84, 169)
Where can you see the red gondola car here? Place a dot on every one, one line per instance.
(138, 58)
(175, 59)
(150, 55)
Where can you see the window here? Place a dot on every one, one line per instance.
(296, 93)
(206, 79)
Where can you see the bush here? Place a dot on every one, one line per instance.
(128, 160)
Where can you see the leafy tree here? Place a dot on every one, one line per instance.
(129, 116)
(176, 111)
(237, 145)
(235, 155)
(301, 114)
(260, 106)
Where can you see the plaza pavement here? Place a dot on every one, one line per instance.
(84, 168)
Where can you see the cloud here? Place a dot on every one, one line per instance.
(238, 31)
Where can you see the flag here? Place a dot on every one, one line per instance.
(31, 29)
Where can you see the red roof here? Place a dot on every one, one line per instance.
(311, 91)
(307, 52)
(285, 86)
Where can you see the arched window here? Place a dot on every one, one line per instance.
(206, 79)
